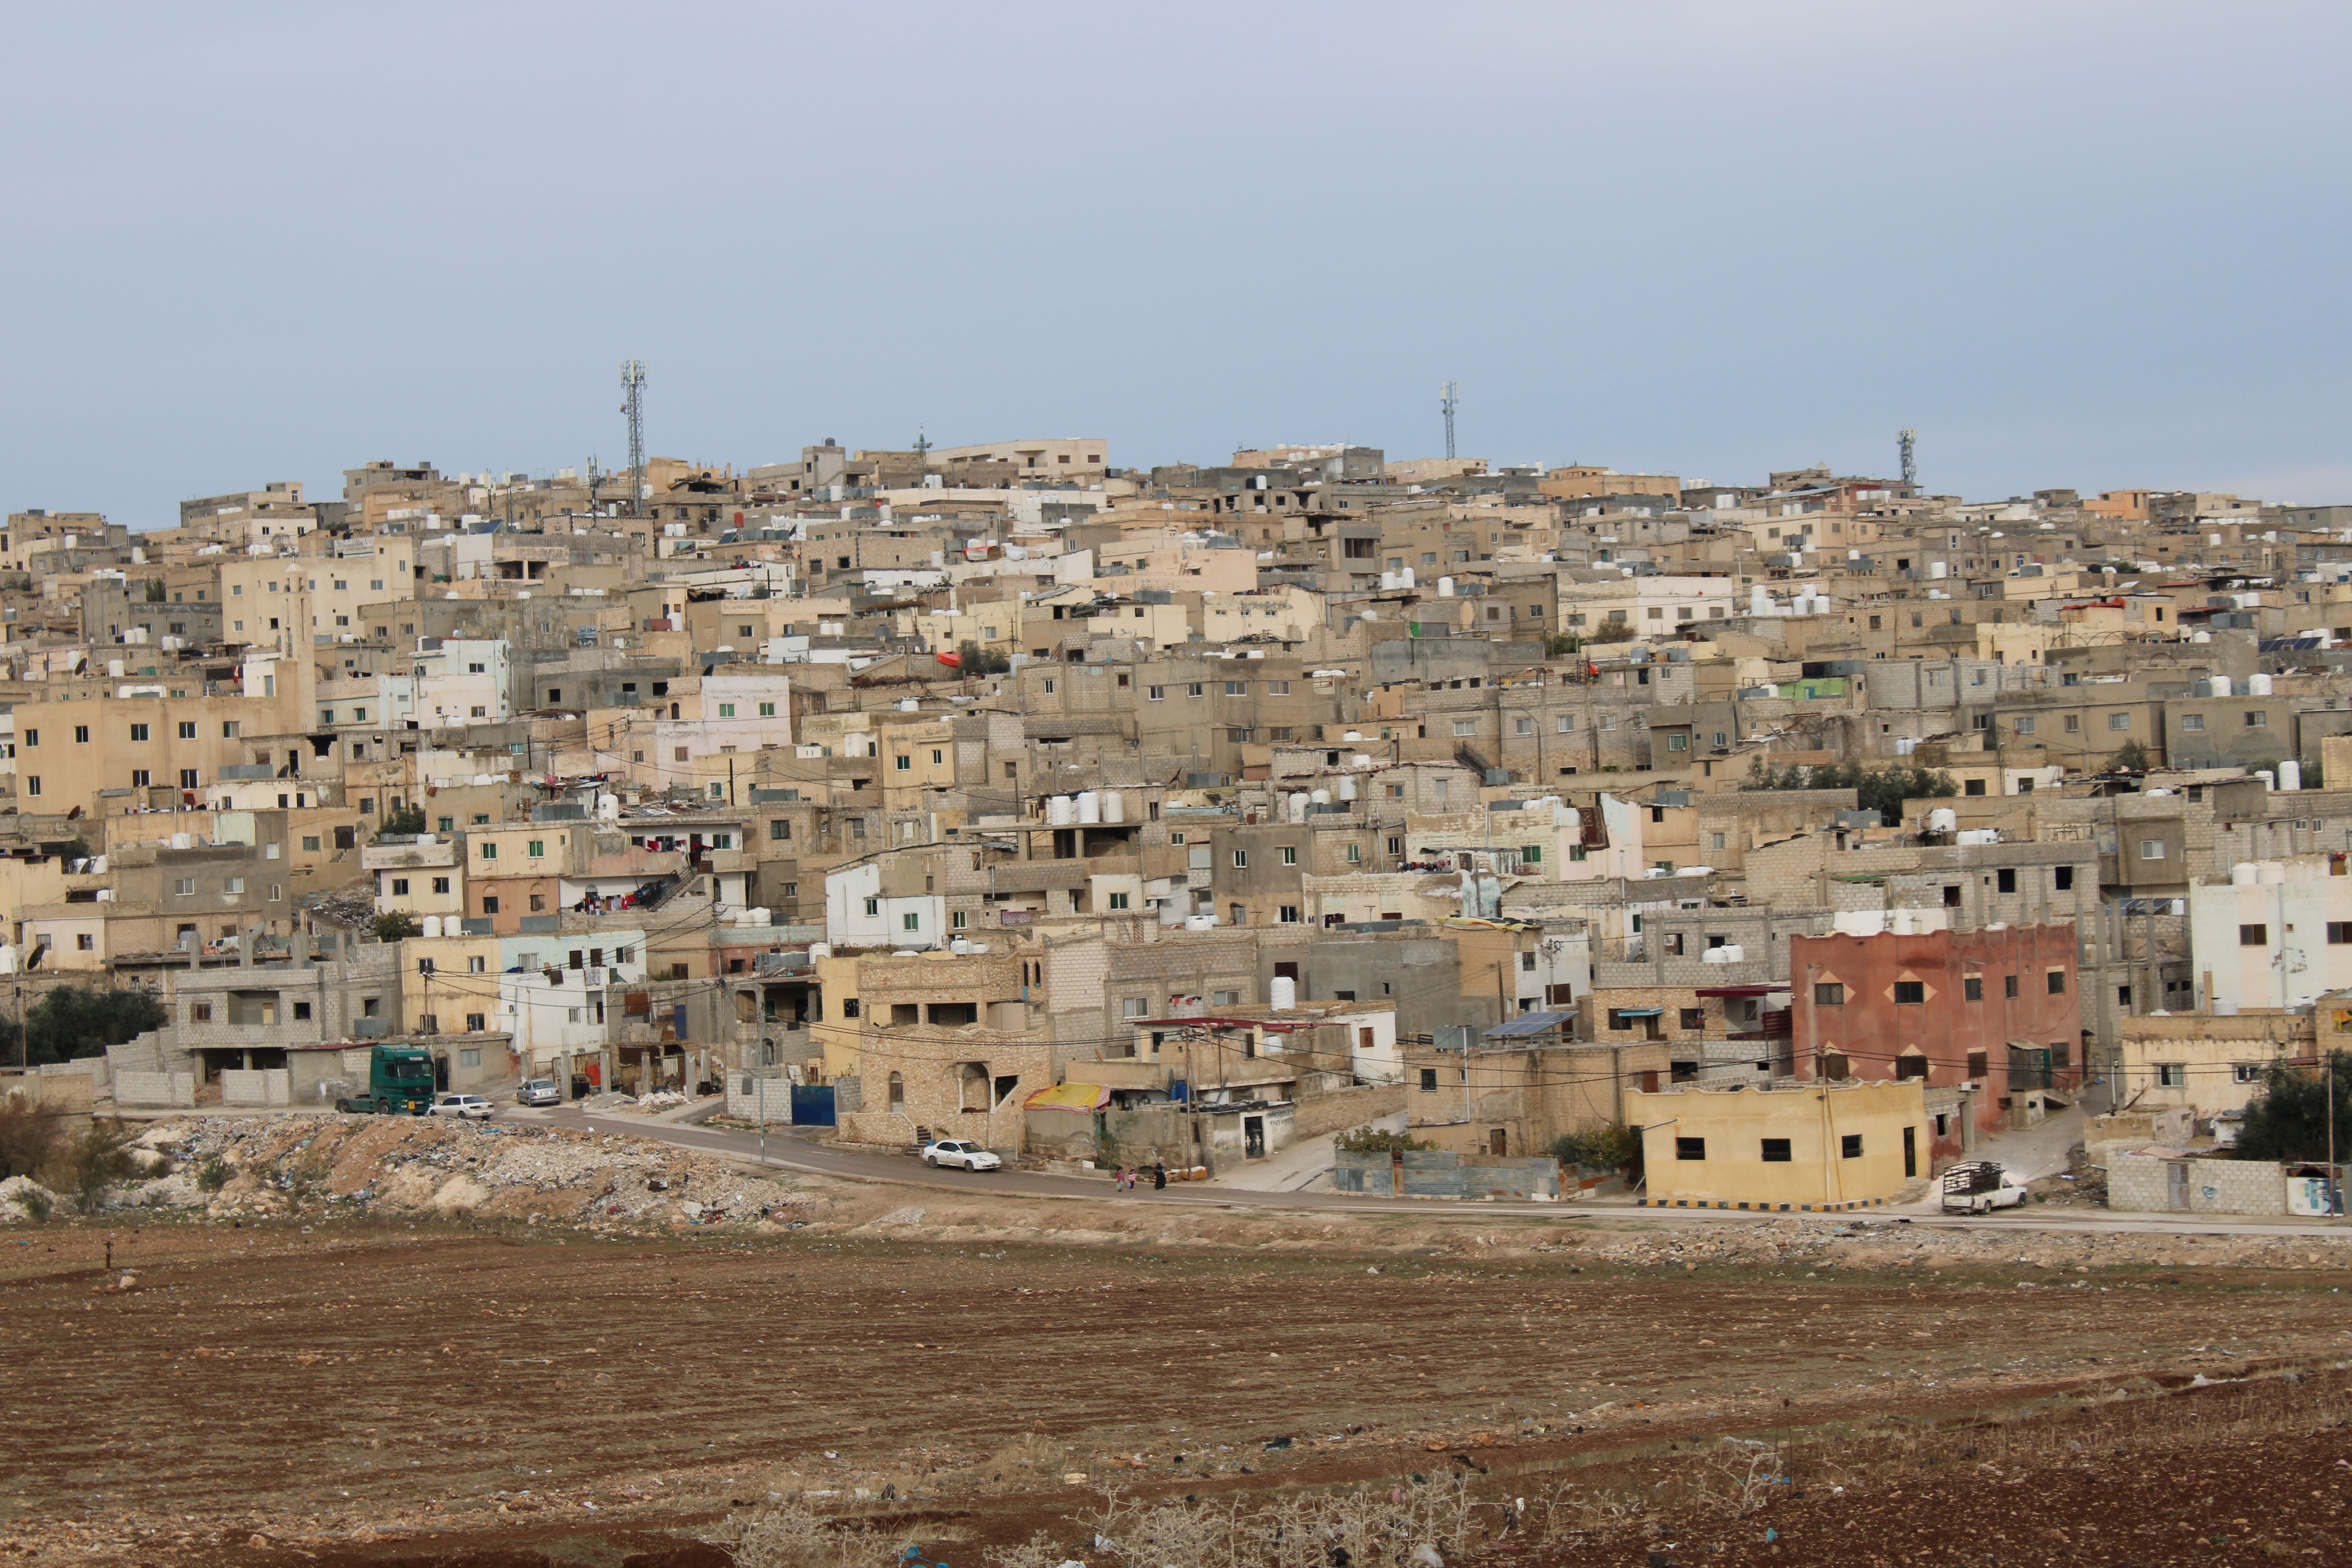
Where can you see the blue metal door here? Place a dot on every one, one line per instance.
(812, 1105)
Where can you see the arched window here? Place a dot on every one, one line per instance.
(897, 1092)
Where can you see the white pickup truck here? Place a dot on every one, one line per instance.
(1980, 1186)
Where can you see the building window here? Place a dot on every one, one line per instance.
(81, 734)
(399, 886)
(537, 847)
(1851, 1145)
(726, 710)
(911, 922)
(1134, 1007)
(1972, 988)
(187, 729)
(1241, 859)
(1288, 914)
(1118, 901)
(1428, 1080)
(2256, 720)
(873, 906)
(2009, 987)
(2245, 1072)
(1776, 1151)
(490, 851)
(2118, 721)
(2057, 982)
(1910, 993)
(2172, 1075)
(1829, 994)
(1466, 726)
(2253, 936)
(138, 732)
(1690, 1148)
(440, 884)
(2192, 721)
(2151, 849)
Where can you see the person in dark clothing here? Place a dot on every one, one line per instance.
(1160, 1173)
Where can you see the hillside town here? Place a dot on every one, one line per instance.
(1098, 816)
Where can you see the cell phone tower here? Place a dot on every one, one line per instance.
(633, 404)
(1906, 442)
(1447, 402)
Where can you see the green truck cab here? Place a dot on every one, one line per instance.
(400, 1082)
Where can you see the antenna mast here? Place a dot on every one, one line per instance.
(633, 404)
(1905, 440)
(1446, 402)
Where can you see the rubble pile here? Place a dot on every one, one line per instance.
(226, 1168)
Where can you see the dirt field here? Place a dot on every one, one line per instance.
(387, 1390)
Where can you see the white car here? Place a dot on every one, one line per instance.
(472, 1107)
(956, 1151)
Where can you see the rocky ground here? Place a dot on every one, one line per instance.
(363, 1340)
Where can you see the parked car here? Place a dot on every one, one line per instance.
(472, 1107)
(540, 1091)
(956, 1151)
(1980, 1186)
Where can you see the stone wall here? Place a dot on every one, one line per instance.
(260, 1086)
(155, 1088)
(1334, 1112)
(2142, 1184)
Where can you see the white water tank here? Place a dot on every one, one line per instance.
(1359, 760)
(2258, 686)
(1733, 953)
(1388, 582)
(1943, 819)
(1061, 811)
(1347, 787)
(910, 705)
(1905, 745)
(2273, 872)
(114, 669)
(1404, 578)
(1353, 735)
(1976, 835)
(2243, 874)
(959, 945)
(432, 925)
(820, 949)
(1199, 922)
(2290, 775)
(2268, 782)
(1320, 797)
(608, 808)
(1445, 587)
(1089, 806)
(1939, 570)
(1114, 806)
(1284, 992)
(1298, 806)
(760, 914)
(2218, 685)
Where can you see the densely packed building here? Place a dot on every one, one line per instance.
(1002, 791)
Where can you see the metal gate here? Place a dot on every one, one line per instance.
(812, 1105)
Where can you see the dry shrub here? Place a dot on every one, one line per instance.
(29, 1140)
(1372, 1527)
(793, 1535)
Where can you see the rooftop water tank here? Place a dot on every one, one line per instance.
(1445, 587)
(1061, 811)
(432, 925)
(1943, 819)
(1283, 992)
(2290, 775)
(1089, 806)
(1114, 806)
(2245, 874)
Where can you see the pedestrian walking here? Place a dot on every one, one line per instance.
(1158, 1176)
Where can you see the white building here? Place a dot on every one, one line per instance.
(2277, 934)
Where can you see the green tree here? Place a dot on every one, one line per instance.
(2132, 757)
(75, 1021)
(406, 819)
(1371, 1140)
(2288, 1120)
(1612, 1146)
(1883, 790)
(395, 924)
(154, 590)
(1562, 646)
(978, 660)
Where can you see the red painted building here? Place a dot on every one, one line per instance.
(1993, 1008)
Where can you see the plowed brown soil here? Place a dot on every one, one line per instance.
(467, 1397)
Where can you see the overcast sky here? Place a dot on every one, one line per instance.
(2074, 244)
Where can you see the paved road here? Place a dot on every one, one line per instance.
(799, 1151)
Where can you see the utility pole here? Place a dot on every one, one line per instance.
(633, 393)
(1447, 402)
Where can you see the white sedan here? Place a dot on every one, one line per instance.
(472, 1107)
(956, 1151)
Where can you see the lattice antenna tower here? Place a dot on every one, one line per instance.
(1906, 442)
(633, 404)
(1447, 402)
